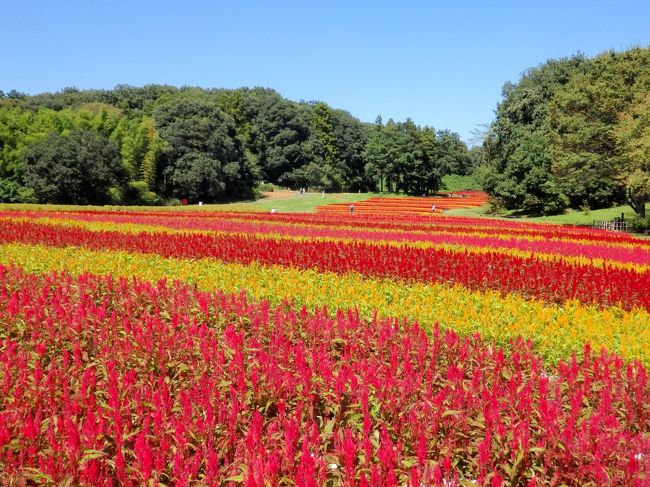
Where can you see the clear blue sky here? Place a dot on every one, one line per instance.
(442, 63)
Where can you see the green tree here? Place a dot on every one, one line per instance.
(279, 135)
(203, 158)
(582, 144)
(78, 168)
(633, 138)
(153, 148)
(322, 127)
(15, 126)
(403, 156)
(592, 147)
(311, 175)
(451, 153)
(378, 154)
(410, 163)
(12, 192)
(517, 167)
(430, 171)
(350, 137)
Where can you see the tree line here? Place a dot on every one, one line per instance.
(573, 133)
(158, 143)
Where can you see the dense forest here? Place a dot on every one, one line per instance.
(157, 144)
(573, 133)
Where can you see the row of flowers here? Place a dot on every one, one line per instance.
(407, 206)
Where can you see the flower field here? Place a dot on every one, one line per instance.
(213, 348)
(410, 206)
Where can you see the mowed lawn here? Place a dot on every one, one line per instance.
(284, 201)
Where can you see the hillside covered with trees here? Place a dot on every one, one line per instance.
(151, 144)
(573, 133)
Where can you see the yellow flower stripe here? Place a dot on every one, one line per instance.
(139, 228)
(556, 331)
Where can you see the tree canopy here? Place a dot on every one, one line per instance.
(573, 132)
(78, 168)
(203, 158)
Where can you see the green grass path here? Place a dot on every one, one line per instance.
(282, 201)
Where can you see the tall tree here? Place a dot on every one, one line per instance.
(451, 153)
(280, 128)
(430, 171)
(203, 158)
(153, 148)
(582, 144)
(374, 154)
(78, 168)
(633, 138)
(350, 138)
(322, 126)
(518, 163)
(590, 161)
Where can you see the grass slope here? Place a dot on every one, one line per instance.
(292, 202)
(455, 182)
(283, 201)
(569, 218)
(587, 218)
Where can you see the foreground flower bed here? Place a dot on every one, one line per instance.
(104, 379)
(114, 381)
